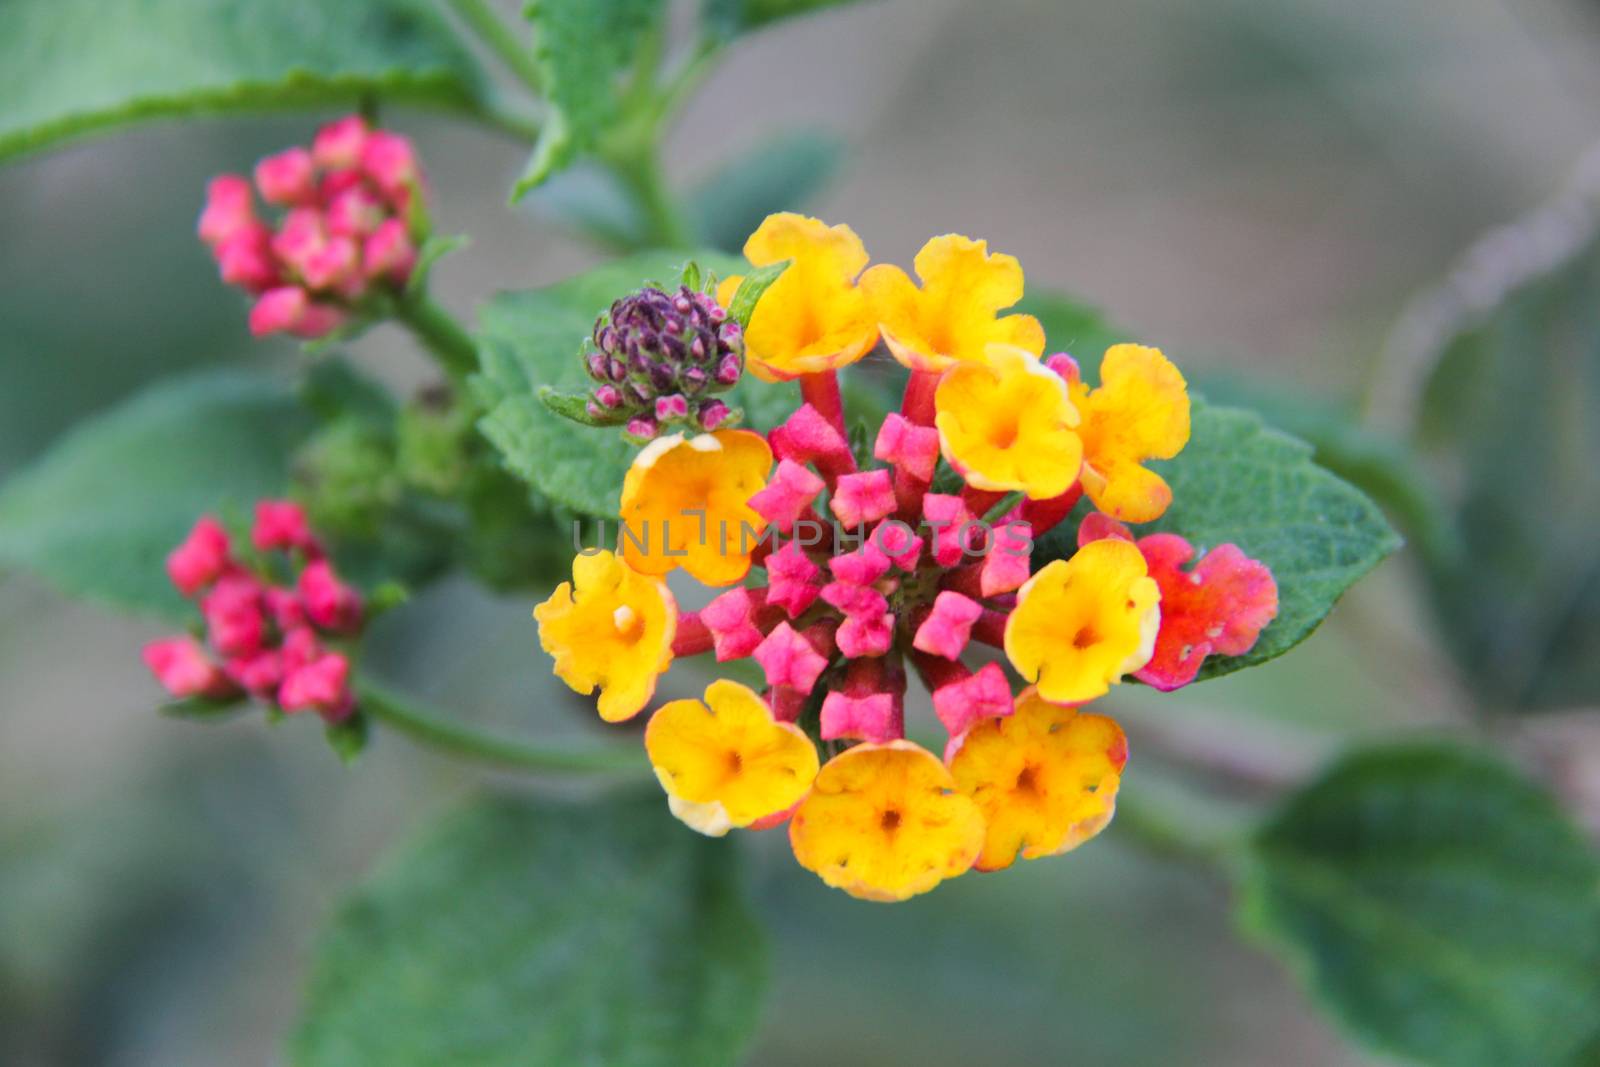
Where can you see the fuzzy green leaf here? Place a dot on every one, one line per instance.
(97, 513)
(575, 407)
(1441, 907)
(741, 16)
(752, 289)
(532, 339)
(582, 47)
(523, 931)
(1239, 480)
(71, 67)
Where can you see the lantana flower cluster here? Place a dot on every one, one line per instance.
(847, 574)
(274, 618)
(351, 220)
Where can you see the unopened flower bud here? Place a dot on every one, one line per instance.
(288, 309)
(608, 397)
(331, 265)
(729, 370)
(321, 686)
(288, 178)
(712, 413)
(598, 365)
(184, 670)
(338, 145)
(330, 604)
(229, 208)
(245, 259)
(282, 525)
(672, 407)
(354, 212)
(642, 428)
(201, 559)
(388, 159)
(389, 253)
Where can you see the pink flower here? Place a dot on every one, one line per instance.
(333, 265)
(230, 208)
(872, 717)
(201, 559)
(731, 618)
(948, 627)
(388, 159)
(355, 212)
(864, 566)
(289, 309)
(245, 259)
(894, 539)
(235, 622)
(300, 647)
(289, 177)
(948, 518)
(808, 437)
(259, 673)
(330, 604)
(389, 255)
(863, 497)
(788, 659)
(338, 145)
(866, 634)
(1005, 567)
(788, 496)
(321, 686)
(984, 695)
(793, 580)
(184, 670)
(281, 524)
(909, 446)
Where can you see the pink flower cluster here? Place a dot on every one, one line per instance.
(350, 225)
(261, 638)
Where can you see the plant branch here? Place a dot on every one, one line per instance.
(499, 39)
(439, 332)
(450, 738)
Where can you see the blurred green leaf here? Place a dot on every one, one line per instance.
(752, 289)
(582, 46)
(70, 67)
(782, 173)
(97, 513)
(525, 931)
(1241, 481)
(1511, 412)
(740, 16)
(531, 339)
(1073, 327)
(1440, 905)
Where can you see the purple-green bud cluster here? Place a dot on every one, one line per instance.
(660, 357)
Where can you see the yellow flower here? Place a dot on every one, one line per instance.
(685, 503)
(728, 762)
(1140, 412)
(610, 627)
(884, 822)
(1006, 423)
(1045, 778)
(813, 318)
(955, 314)
(1081, 624)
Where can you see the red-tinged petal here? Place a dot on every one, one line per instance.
(1218, 608)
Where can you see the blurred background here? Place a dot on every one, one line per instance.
(1258, 187)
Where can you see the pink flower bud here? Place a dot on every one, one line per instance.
(329, 603)
(866, 635)
(1065, 366)
(872, 717)
(245, 259)
(808, 437)
(285, 609)
(1006, 565)
(229, 208)
(729, 370)
(894, 539)
(258, 674)
(335, 182)
(281, 524)
(788, 659)
(354, 212)
(674, 406)
(388, 159)
(300, 647)
(948, 627)
(235, 623)
(321, 686)
(287, 309)
(287, 178)
(913, 448)
(984, 695)
(788, 495)
(864, 497)
(201, 559)
(947, 517)
(389, 253)
(855, 601)
(184, 670)
(608, 397)
(338, 145)
(331, 266)
(713, 413)
(731, 618)
(793, 580)
(863, 566)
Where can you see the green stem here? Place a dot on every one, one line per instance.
(429, 729)
(440, 334)
(1002, 507)
(497, 36)
(640, 172)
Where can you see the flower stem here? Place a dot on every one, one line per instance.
(445, 338)
(821, 391)
(917, 406)
(429, 729)
(640, 173)
(500, 40)
(1002, 507)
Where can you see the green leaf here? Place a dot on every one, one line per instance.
(1073, 327)
(1239, 480)
(582, 47)
(97, 514)
(432, 251)
(782, 173)
(347, 738)
(1441, 907)
(531, 339)
(741, 16)
(524, 931)
(575, 408)
(752, 289)
(1511, 415)
(71, 67)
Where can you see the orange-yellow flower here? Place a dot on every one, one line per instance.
(1083, 623)
(955, 315)
(1006, 424)
(1139, 412)
(727, 762)
(814, 317)
(685, 503)
(1045, 778)
(611, 627)
(885, 822)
